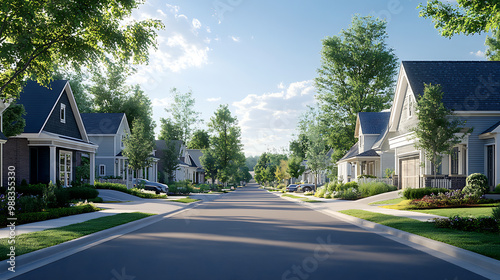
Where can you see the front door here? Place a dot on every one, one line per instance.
(65, 158)
(490, 164)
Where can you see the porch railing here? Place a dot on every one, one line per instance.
(441, 183)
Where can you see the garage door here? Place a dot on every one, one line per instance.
(410, 172)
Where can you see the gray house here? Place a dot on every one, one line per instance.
(108, 130)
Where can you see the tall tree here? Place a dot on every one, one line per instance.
(209, 163)
(169, 130)
(493, 44)
(183, 114)
(465, 17)
(13, 120)
(251, 162)
(200, 140)
(281, 172)
(79, 88)
(170, 160)
(35, 35)
(295, 167)
(109, 87)
(317, 160)
(437, 129)
(138, 147)
(356, 75)
(225, 140)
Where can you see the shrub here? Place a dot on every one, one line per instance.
(30, 203)
(82, 193)
(366, 176)
(320, 192)
(421, 192)
(496, 213)
(497, 189)
(450, 198)
(331, 187)
(346, 186)
(31, 189)
(24, 218)
(476, 185)
(350, 194)
(123, 188)
(181, 187)
(374, 188)
(481, 224)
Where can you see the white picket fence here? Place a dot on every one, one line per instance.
(441, 183)
(388, 181)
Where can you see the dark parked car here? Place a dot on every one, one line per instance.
(151, 186)
(306, 187)
(292, 188)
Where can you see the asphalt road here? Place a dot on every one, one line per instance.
(250, 234)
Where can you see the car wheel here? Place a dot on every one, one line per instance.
(307, 189)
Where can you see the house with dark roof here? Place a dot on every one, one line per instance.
(189, 165)
(321, 177)
(108, 130)
(370, 155)
(471, 90)
(54, 142)
(198, 173)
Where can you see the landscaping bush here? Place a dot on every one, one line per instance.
(29, 203)
(123, 188)
(320, 192)
(496, 213)
(374, 188)
(497, 189)
(366, 176)
(183, 187)
(82, 193)
(421, 192)
(482, 224)
(31, 189)
(202, 188)
(450, 198)
(349, 194)
(346, 186)
(331, 187)
(24, 218)
(476, 185)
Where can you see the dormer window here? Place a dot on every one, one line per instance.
(63, 113)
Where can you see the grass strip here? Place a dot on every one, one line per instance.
(462, 212)
(487, 244)
(185, 200)
(387, 202)
(29, 242)
(305, 199)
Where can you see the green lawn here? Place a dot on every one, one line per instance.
(387, 202)
(185, 200)
(305, 199)
(33, 241)
(463, 212)
(487, 244)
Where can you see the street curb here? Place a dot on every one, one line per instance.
(36, 259)
(475, 262)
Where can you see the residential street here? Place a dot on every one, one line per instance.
(250, 234)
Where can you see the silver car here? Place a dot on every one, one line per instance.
(162, 187)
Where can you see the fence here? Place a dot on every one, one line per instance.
(441, 183)
(387, 181)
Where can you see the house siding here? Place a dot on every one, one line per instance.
(16, 154)
(106, 145)
(476, 146)
(109, 163)
(406, 122)
(70, 127)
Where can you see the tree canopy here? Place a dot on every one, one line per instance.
(200, 140)
(184, 117)
(37, 35)
(356, 75)
(138, 146)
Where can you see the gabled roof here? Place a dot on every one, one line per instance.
(495, 126)
(162, 145)
(102, 123)
(369, 153)
(38, 101)
(2, 136)
(351, 153)
(467, 85)
(195, 155)
(372, 122)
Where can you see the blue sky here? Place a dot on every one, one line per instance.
(261, 57)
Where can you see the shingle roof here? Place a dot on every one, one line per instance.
(374, 122)
(38, 102)
(2, 136)
(467, 85)
(102, 123)
(162, 145)
(369, 153)
(195, 156)
(491, 128)
(352, 152)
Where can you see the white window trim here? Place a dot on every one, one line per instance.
(103, 169)
(122, 138)
(62, 113)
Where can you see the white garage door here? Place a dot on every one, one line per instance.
(410, 172)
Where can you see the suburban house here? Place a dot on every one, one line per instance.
(308, 175)
(189, 165)
(54, 142)
(370, 155)
(3, 139)
(471, 90)
(108, 130)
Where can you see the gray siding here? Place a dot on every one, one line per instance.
(54, 124)
(108, 162)
(406, 122)
(105, 143)
(476, 145)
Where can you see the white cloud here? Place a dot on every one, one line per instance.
(479, 53)
(214, 99)
(236, 39)
(161, 13)
(196, 23)
(269, 119)
(163, 102)
(281, 86)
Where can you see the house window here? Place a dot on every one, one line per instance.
(65, 167)
(102, 170)
(63, 113)
(454, 158)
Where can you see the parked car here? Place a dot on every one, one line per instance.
(151, 186)
(305, 187)
(292, 188)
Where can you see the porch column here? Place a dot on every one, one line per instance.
(54, 162)
(92, 168)
(497, 161)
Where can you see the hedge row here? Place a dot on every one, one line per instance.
(421, 192)
(54, 213)
(123, 188)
